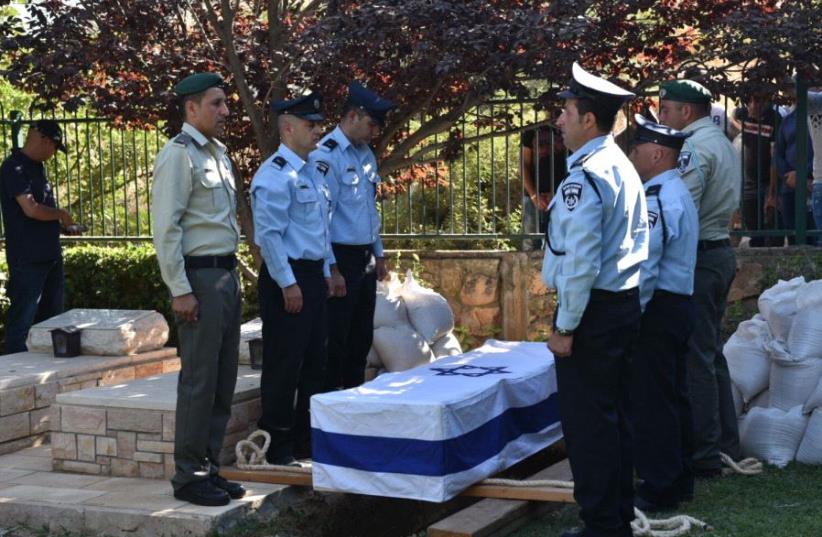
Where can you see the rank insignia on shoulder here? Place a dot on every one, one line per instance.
(653, 190)
(683, 162)
(652, 218)
(279, 162)
(183, 139)
(571, 194)
(18, 168)
(322, 167)
(330, 144)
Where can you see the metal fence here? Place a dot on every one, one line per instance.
(104, 178)
(104, 181)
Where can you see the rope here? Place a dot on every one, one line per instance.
(749, 466)
(250, 456)
(665, 527)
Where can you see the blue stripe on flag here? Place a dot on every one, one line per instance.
(433, 457)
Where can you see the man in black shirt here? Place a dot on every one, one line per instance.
(32, 223)
(542, 168)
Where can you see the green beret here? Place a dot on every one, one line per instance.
(197, 83)
(684, 91)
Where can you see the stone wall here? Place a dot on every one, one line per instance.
(500, 294)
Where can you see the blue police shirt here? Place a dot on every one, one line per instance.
(597, 234)
(351, 174)
(674, 232)
(290, 202)
(27, 240)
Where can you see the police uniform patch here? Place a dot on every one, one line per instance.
(330, 144)
(652, 218)
(322, 167)
(279, 162)
(571, 194)
(683, 162)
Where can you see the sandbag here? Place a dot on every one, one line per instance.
(389, 311)
(772, 435)
(778, 306)
(792, 383)
(810, 449)
(748, 358)
(401, 348)
(763, 400)
(805, 338)
(739, 403)
(447, 345)
(809, 294)
(815, 399)
(373, 359)
(428, 311)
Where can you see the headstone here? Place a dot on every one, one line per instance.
(105, 332)
(251, 330)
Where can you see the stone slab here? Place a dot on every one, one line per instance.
(248, 331)
(105, 332)
(153, 393)
(33, 368)
(119, 507)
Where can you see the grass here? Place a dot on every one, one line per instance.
(777, 503)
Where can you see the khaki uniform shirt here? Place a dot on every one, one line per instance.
(711, 169)
(193, 205)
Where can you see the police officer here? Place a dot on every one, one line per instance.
(351, 174)
(290, 201)
(33, 223)
(196, 236)
(710, 168)
(596, 240)
(661, 412)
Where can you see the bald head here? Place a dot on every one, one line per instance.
(651, 159)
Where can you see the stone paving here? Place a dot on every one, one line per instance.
(34, 496)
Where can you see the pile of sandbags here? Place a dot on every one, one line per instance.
(412, 326)
(775, 363)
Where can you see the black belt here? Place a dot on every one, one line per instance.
(353, 248)
(226, 262)
(664, 293)
(601, 295)
(306, 264)
(710, 245)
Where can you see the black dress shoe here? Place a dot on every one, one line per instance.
(235, 490)
(202, 493)
(647, 506)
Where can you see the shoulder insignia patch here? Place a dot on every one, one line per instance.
(652, 218)
(183, 139)
(322, 167)
(683, 162)
(331, 144)
(571, 194)
(279, 162)
(653, 190)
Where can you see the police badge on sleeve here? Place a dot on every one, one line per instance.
(571, 194)
(683, 162)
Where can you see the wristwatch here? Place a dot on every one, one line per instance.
(563, 332)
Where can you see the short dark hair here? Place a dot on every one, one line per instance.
(605, 118)
(194, 97)
(703, 109)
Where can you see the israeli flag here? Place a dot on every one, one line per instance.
(430, 432)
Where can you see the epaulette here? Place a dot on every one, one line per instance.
(653, 190)
(322, 167)
(278, 161)
(183, 139)
(329, 145)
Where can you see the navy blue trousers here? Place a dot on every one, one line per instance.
(660, 409)
(35, 291)
(594, 403)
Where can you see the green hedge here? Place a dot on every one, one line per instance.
(122, 277)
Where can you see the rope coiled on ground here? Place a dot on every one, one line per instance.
(251, 456)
